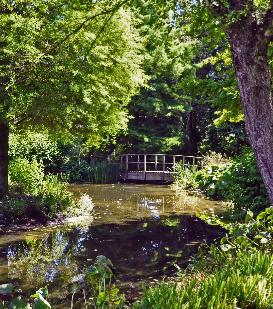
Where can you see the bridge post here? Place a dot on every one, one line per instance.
(138, 162)
(156, 162)
(145, 166)
(174, 162)
(127, 163)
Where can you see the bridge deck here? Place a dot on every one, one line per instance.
(153, 167)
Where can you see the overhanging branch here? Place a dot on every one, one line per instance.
(111, 11)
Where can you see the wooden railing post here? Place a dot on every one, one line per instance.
(145, 161)
(138, 162)
(183, 161)
(127, 163)
(164, 163)
(145, 167)
(156, 162)
(174, 163)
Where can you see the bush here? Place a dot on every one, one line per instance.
(26, 176)
(242, 183)
(237, 180)
(32, 145)
(34, 194)
(54, 197)
(13, 208)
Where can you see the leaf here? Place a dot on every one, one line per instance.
(41, 303)
(18, 303)
(249, 216)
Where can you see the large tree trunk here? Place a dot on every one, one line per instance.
(249, 49)
(4, 141)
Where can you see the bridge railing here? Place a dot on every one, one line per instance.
(156, 162)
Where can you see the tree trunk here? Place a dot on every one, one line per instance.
(249, 49)
(4, 140)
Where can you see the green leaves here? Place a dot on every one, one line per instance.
(40, 299)
(69, 67)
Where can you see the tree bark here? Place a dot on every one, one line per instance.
(250, 49)
(4, 142)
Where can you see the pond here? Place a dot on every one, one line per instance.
(146, 231)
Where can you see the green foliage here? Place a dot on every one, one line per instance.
(185, 177)
(42, 196)
(31, 145)
(94, 172)
(238, 181)
(242, 184)
(251, 234)
(237, 273)
(244, 282)
(98, 283)
(39, 301)
(14, 208)
(26, 176)
(160, 110)
(69, 67)
(54, 197)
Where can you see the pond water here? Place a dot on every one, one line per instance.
(144, 229)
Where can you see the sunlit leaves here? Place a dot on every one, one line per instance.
(64, 68)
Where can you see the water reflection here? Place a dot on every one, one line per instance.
(142, 230)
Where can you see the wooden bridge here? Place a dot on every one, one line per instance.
(154, 167)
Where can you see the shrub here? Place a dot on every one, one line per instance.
(237, 180)
(242, 183)
(185, 177)
(26, 176)
(54, 197)
(13, 208)
(37, 195)
(32, 145)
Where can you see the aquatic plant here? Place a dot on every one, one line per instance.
(38, 300)
(97, 286)
(94, 172)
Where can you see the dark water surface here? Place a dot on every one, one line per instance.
(144, 229)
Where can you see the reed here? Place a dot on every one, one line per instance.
(103, 172)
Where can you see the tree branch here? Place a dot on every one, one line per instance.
(100, 32)
(110, 11)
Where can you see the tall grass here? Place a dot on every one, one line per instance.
(103, 172)
(97, 172)
(242, 282)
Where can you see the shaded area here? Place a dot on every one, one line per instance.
(141, 251)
